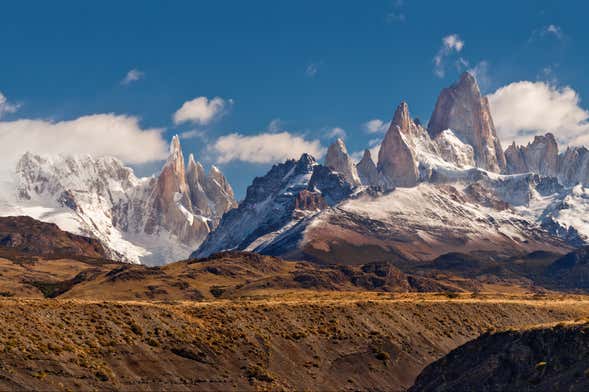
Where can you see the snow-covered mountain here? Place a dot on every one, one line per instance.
(447, 188)
(150, 220)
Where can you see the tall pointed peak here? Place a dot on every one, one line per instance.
(367, 156)
(191, 161)
(339, 145)
(467, 79)
(307, 159)
(402, 117)
(462, 109)
(175, 147)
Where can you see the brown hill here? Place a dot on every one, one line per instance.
(549, 358)
(25, 236)
(307, 341)
(225, 275)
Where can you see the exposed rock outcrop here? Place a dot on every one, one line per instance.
(170, 203)
(367, 169)
(539, 156)
(573, 166)
(337, 159)
(462, 109)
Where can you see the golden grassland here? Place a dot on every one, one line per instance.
(292, 340)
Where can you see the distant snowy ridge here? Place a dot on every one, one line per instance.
(150, 220)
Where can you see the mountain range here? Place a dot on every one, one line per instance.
(449, 187)
(149, 220)
(445, 187)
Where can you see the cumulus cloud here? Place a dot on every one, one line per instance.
(201, 110)
(550, 30)
(523, 109)
(5, 106)
(132, 76)
(100, 134)
(192, 134)
(376, 126)
(450, 44)
(336, 132)
(265, 147)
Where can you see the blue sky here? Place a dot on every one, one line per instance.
(314, 65)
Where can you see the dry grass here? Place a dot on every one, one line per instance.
(295, 340)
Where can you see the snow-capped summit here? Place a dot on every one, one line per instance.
(290, 192)
(152, 220)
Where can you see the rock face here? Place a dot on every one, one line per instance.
(337, 159)
(152, 220)
(170, 205)
(396, 160)
(367, 169)
(462, 109)
(573, 166)
(290, 192)
(539, 156)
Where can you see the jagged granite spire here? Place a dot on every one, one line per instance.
(195, 179)
(367, 169)
(462, 109)
(396, 160)
(337, 159)
(539, 156)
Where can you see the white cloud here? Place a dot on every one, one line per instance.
(547, 31)
(336, 132)
(376, 126)
(276, 125)
(132, 76)
(523, 109)
(555, 30)
(100, 134)
(195, 133)
(450, 44)
(396, 14)
(201, 110)
(312, 70)
(265, 147)
(5, 106)
(481, 73)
